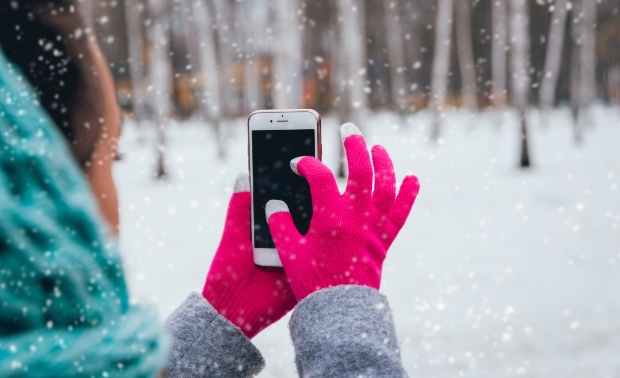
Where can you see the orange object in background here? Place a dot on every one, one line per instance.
(309, 92)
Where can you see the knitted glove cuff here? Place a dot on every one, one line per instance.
(230, 304)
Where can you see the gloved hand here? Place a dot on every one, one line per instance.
(250, 297)
(349, 234)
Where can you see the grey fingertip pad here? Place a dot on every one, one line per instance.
(347, 130)
(242, 183)
(294, 163)
(275, 206)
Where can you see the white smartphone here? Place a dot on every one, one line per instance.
(275, 137)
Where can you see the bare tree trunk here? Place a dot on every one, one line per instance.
(519, 36)
(135, 42)
(441, 63)
(396, 50)
(192, 44)
(498, 53)
(198, 23)
(588, 53)
(583, 64)
(226, 55)
(413, 25)
(555, 42)
(613, 85)
(338, 83)
(344, 107)
(255, 12)
(575, 71)
(161, 75)
(467, 64)
(352, 43)
(287, 72)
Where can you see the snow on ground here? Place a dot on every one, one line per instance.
(498, 272)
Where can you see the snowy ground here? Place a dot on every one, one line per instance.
(498, 272)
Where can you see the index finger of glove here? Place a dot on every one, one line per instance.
(323, 187)
(359, 182)
(282, 228)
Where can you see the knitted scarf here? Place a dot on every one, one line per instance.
(64, 307)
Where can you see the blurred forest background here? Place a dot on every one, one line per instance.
(219, 59)
(499, 271)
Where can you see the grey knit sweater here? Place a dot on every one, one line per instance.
(344, 331)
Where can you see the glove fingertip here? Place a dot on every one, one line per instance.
(347, 130)
(242, 183)
(414, 182)
(275, 206)
(378, 149)
(294, 163)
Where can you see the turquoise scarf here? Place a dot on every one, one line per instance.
(64, 308)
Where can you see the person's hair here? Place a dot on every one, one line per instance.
(35, 44)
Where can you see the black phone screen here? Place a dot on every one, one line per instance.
(272, 178)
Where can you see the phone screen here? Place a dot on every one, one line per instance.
(272, 178)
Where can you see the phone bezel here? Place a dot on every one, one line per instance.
(259, 120)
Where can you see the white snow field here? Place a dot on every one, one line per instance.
(498, 272)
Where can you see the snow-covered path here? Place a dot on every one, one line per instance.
(498, 272)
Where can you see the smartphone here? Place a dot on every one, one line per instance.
(275, 137)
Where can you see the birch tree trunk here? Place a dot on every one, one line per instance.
(287, 70)
(498, 53)
(555, 46)
(519, 37)
(135, 44)
(192, 44)
(161, 76)
(396, 50)
(467, 64)
(588, 52)
(441, 63)
(203, 56)
(352, 42)
(256, 15)
(583, 70)
(226, 55)
(413, 25)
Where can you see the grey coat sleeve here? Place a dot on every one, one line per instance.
(205, 344)
(345, 331)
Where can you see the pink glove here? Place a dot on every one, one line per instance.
(349, 234)
(250, 297)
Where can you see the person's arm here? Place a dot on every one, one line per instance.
(342, 326)
(205, 344)
(211, 332)
(345, 331)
